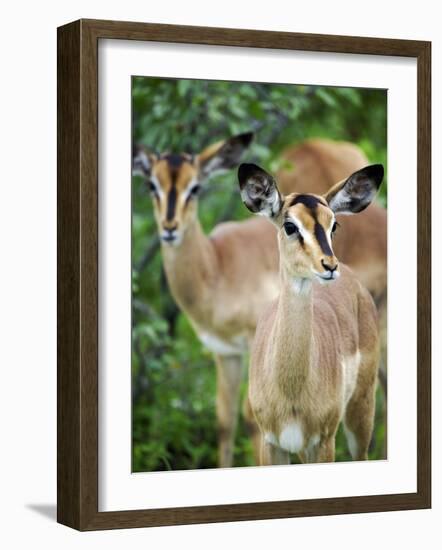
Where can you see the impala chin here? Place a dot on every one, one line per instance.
(326, 278)
(171, 239)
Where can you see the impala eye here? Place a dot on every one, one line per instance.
(152, 187)
(335, 226)
(290, 228)
(195, 190)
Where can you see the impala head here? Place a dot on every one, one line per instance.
(175, 181)
(307, 222)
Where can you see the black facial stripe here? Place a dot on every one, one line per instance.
(309, 201)
(171, 202)
(173, 160)
(322, 239)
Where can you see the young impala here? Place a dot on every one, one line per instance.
(221, 289)
(361, 242)
(316, 351)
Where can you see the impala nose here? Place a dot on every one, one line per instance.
(329, 267)
(169, 233)
(171, 228)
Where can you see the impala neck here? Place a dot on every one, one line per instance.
(292, 334)
(191, 269)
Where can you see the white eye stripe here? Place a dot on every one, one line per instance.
(303, 232)
(190, 187)
(155, 182)
(182, 196)
(306, 235)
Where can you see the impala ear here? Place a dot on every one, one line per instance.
(356, 193)
(142, 160)
(223, 155)
(259, 191)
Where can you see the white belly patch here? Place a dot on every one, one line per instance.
(291, 438)
(221, 347)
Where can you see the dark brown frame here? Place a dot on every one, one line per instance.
(77, 459)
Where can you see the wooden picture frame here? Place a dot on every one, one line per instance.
(77, 460)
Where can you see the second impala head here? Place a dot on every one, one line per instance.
(307, 222)
(175, 181)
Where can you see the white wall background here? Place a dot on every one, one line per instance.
(28, 276)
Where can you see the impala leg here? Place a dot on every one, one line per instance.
(383, 367)
(303, 457)
(326, 450)
(309, 455)
(271, 455)
(252, 429)
(228, 378)
(359, 415)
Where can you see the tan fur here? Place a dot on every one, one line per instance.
(361, 241)
(207, 153)
(185, 174)
(296, 371)
(315, 355)
(221, 289)
(222, 282)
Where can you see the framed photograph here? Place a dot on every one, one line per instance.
(244, 288)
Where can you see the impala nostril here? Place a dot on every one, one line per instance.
(329, 267)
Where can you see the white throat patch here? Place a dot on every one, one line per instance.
(301, 286)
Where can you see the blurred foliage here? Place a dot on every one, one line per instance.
(174, 425)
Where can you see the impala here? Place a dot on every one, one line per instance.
(315, 355)
(361, 241)
(221, 282)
